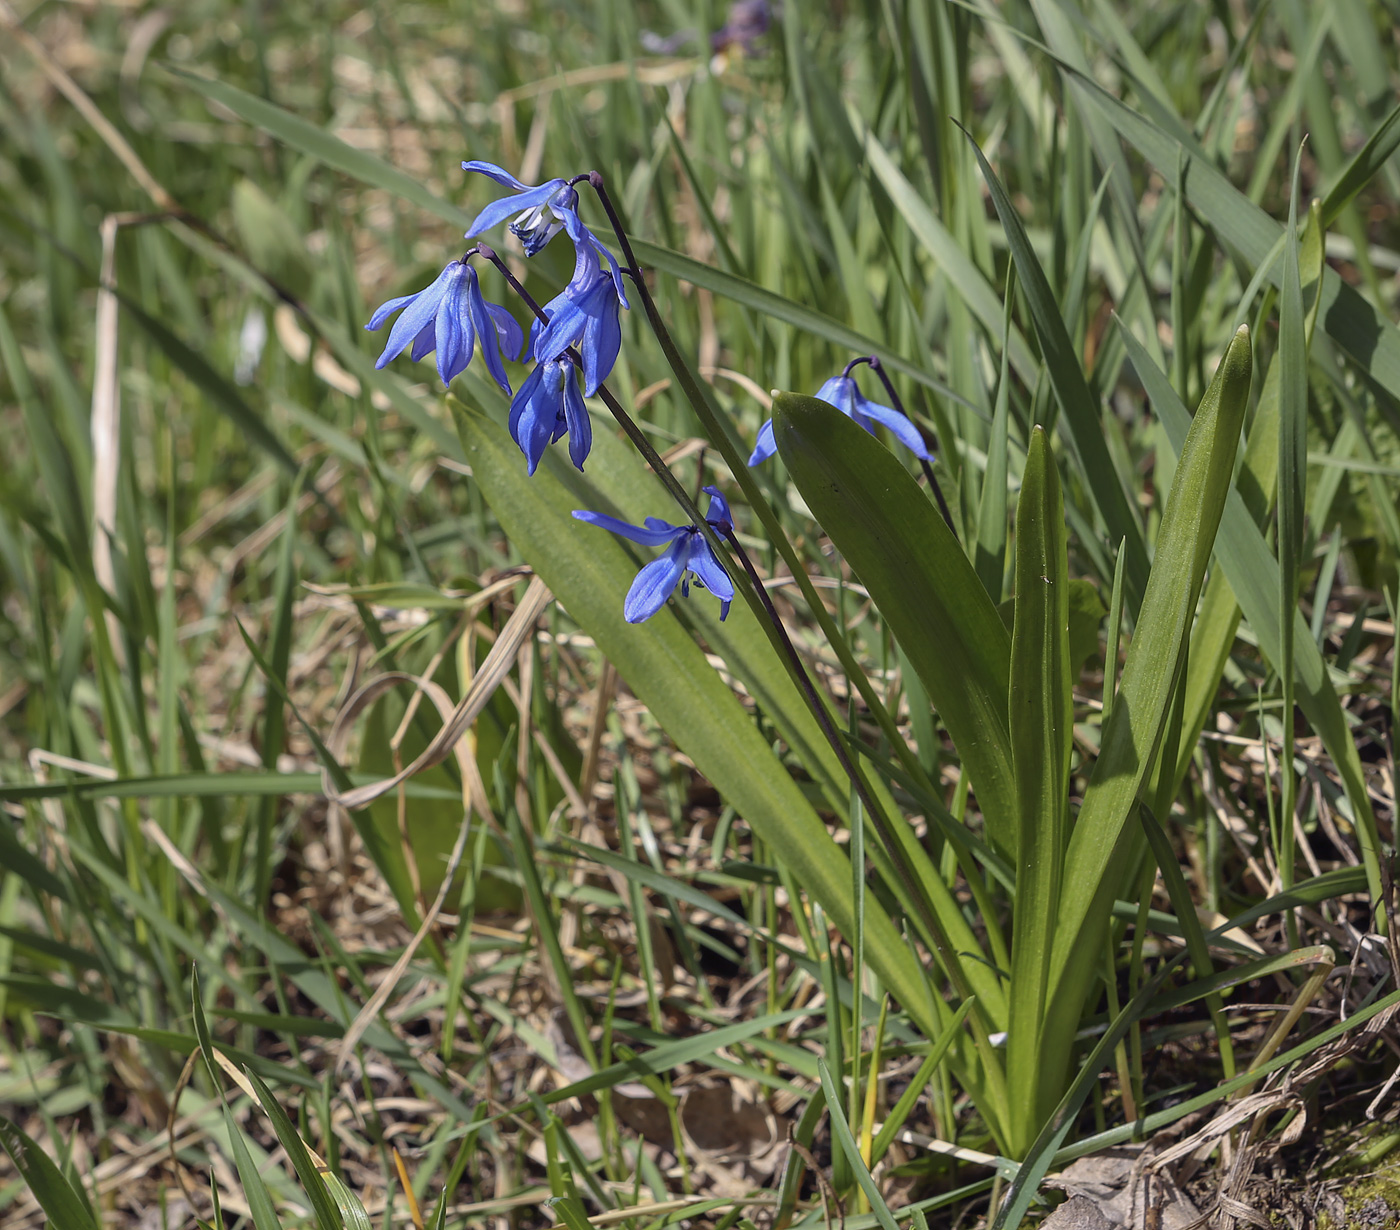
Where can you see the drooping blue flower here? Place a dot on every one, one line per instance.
(689, 556)
(449, 316)
(585, 316)
(548, 407)
(843, 393)
(541, 213)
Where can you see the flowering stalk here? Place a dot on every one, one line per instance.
(719, 436)
(758, 598)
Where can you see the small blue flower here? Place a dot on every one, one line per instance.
(843, 393)
(548, 407)
(585, 315)
(689, 555)
(448, 317)
(541, 213)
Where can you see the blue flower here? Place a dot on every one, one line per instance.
(585, 315)
(448, 317)
(689, 556)
(541, 213)
(843, 393)
(547, 407)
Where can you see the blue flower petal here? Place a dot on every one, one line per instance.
(499, 174)
(425, 341)
(655, 582)
(511, 336)
(705, 565)
(508, 206)
(484, 326)
(653, 534)
(588, 248)
(900, 427)
(602, 336)
(455, 336)
(766, 445)
(566, 325)
(718, 510)
(385, 310)
(532, 415)
(841, 392)
(579, 425)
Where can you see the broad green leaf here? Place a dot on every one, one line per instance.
(921, 581)
(65, 1208)
(1079, 406)
(1041, 722)
(617, 482)
(590, 572)
(1096, 857)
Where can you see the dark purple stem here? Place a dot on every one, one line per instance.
(879, 369)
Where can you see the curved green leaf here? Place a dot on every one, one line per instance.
(1041, 719)
(1095, 859)
(921, 581)
(1253, 575)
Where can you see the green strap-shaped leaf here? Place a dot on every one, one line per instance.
(1041, 719)
(1257, 483)
(921, 581)
(617, 482)
(1140, 711)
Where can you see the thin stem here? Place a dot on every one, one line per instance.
(879, 369)
(490, 253)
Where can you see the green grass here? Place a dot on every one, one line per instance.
(209, 546)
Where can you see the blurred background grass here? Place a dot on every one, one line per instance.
(207, 447)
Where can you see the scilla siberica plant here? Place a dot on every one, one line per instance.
(1011, 918)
